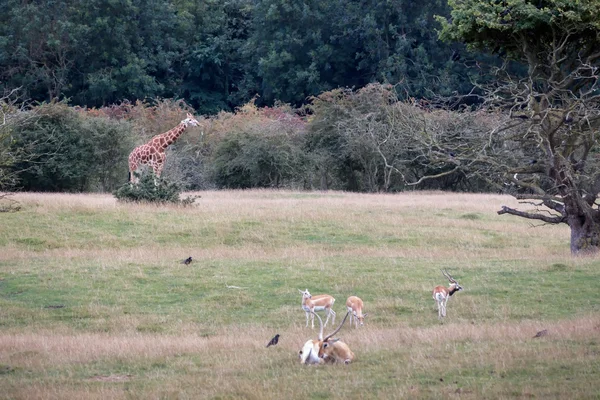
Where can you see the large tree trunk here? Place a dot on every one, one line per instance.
(585, 233)
(581, 217)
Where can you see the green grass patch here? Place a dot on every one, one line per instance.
(95, 302)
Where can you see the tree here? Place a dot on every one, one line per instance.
(547, 149)
(303, 48)
(214, 66)
(356, 135)
(369, 140)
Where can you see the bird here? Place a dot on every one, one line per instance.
(274, 341)
(541, 333)
(187, 261)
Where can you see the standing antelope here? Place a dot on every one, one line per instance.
(355, 306)
(320, 302)
(441, 294)
(325, 349)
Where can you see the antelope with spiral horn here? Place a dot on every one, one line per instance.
(441, 294)
(326, 349)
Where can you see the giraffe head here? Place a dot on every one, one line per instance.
(190, 121)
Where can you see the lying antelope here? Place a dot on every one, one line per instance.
(320, 302)
(325, 349)
(355, 306)
(441, 294)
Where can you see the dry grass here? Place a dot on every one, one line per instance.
(94, 302)
(497, 349)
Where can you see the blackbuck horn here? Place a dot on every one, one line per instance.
(447, 275)
(339, 327)
(334, 332)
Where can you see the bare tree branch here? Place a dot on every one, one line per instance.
(552, 220)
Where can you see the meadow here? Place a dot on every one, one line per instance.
(96, 304)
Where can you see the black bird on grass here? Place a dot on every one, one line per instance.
(274, 341)
(187, 261)
(541, 333)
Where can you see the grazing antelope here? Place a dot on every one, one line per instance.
(325, 349)
(355, 306)
(441, 294)
(320, 302)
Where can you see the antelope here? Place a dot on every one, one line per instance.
(320, 302)
(355, 306)
(441, 294)
(326, 350)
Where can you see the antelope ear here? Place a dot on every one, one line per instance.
(331, 341)
(365, 314)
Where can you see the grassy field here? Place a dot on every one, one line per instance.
(96, 304)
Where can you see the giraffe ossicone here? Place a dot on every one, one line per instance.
(153, 153)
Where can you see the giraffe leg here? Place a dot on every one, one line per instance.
(133, 166)
(158, 170)
(132, 178)
(159, 165)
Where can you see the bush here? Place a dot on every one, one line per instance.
(147, 191)
(71, 151)
(247, 160)
(258, 148)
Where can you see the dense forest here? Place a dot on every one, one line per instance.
(219, 54)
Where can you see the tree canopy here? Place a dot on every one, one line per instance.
(217, 55)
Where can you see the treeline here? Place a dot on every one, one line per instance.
(219, 54)
(359, 140)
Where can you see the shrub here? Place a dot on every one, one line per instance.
(71, 151)
(147, 191)
(258, 148)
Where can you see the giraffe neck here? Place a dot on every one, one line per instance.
(173, 134)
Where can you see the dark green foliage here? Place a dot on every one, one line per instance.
(64, 156)
(217, 55)
(214, 66)
(95, 52)
(71, 151)
(150, 189)
(301, 49)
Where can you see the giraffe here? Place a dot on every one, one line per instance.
(153, 152)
